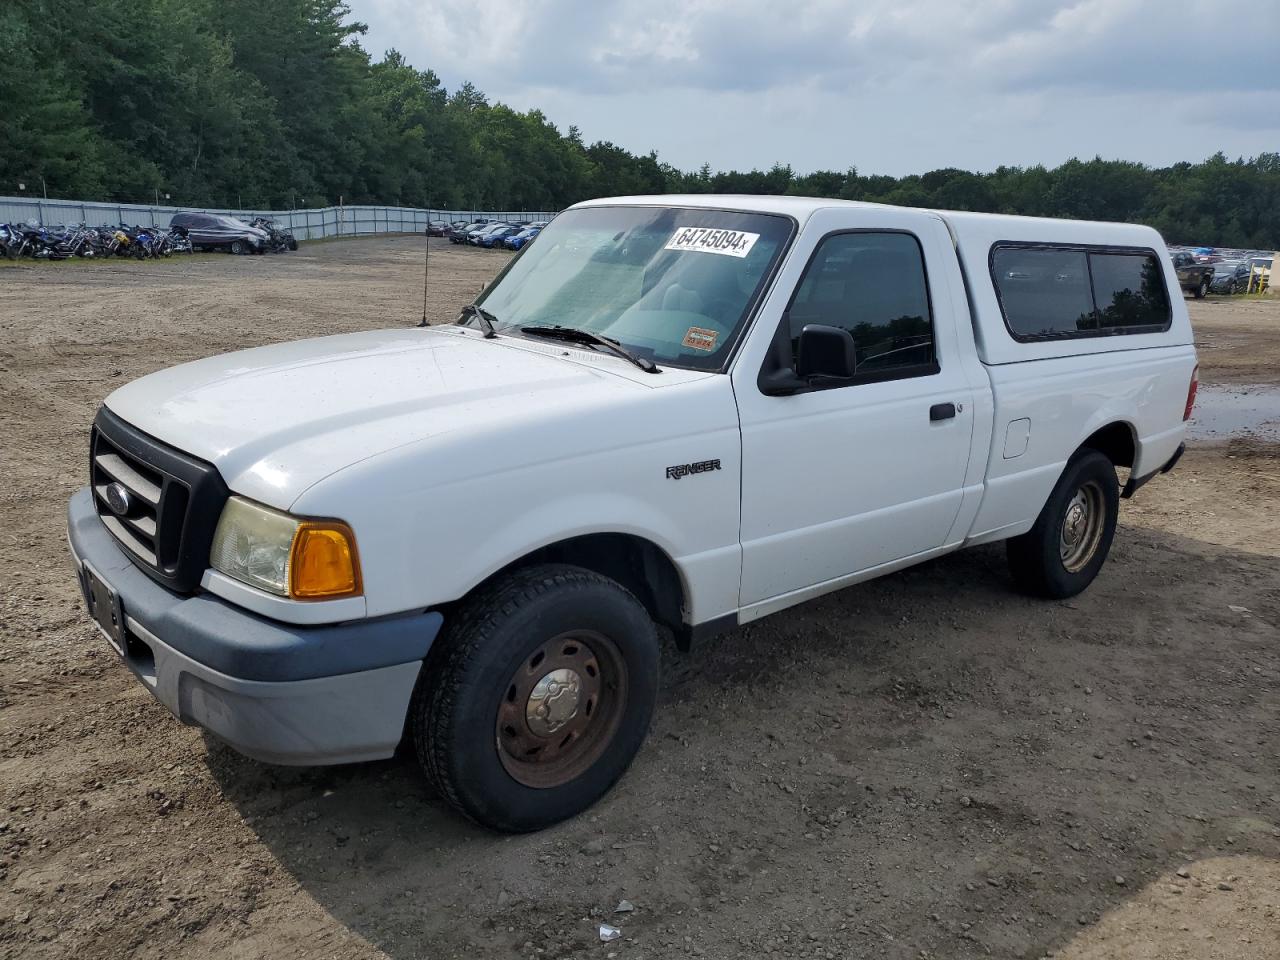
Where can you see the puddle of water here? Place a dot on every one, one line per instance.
(1243, 410)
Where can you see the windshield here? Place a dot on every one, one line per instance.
(672, 285)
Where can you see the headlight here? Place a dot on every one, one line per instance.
(284, 555)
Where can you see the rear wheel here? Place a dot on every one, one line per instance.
(1069, 543)
(535, 700)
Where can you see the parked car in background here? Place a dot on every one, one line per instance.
(1193, 277)
(458, 232)
(436, 228)
(516, 241)
(214, 231)
(474, 236)
(493, 239)
(1229, 277)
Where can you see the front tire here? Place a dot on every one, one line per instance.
(1202, 290)
(538, 696)
(1069, 543)
(237, 247)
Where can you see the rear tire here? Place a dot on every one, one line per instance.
(535, 700)
(1069, 543)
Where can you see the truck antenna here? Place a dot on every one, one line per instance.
(426, 259)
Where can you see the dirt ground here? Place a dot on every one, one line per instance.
(925, 766)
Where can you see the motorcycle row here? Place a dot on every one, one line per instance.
(40, 242)
(62, 243)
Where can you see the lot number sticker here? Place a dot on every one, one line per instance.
(731, 243)
(700, 338)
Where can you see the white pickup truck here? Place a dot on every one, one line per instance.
(666, 416)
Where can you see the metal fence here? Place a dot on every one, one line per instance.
(306, 224)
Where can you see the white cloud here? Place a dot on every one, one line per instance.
(888, 85)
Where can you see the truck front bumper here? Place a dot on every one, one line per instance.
(274, 691)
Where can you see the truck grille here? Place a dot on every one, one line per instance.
(160, 504)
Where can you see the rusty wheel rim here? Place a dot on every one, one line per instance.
(560, 709)
(1082, 526)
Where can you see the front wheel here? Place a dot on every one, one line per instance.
(237, 247)
(1066, 548)
(1202, 289)
(538, 696)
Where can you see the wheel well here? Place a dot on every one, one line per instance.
(1115, 441)
(638, 564)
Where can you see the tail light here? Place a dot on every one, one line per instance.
(1191, 392)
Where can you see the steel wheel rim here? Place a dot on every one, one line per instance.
(560, 709)
(1082, 525)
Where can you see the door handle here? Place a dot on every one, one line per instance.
(941, 411)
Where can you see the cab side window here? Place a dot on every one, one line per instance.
(874, 286)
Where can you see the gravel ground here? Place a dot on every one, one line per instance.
(927, 765)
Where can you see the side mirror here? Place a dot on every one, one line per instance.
(826, 352)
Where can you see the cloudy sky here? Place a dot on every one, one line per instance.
(889, 86)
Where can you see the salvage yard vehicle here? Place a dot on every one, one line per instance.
(479, 233)
(278, 238)
(458, 233)
(517, 240)
(494, 238)
(1194, 276)
(1229, 277)
(668, 416)
(213, 231)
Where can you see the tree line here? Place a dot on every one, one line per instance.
(275, 105)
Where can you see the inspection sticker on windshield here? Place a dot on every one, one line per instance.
(700, 338)
(732, 243)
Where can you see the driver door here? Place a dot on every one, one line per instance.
(849, 476)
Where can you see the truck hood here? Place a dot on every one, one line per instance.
(275, 420)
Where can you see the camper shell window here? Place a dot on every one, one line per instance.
(1058, 292)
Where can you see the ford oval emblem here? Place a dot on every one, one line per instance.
(118, 498)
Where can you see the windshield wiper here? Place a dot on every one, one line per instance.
(576, 335)
(487, 319)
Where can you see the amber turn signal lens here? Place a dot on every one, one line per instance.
(323, 564)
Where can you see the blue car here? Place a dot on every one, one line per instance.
(494, 238)
(515, 241)
(475, 236)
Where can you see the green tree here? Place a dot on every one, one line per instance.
(219, 102)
